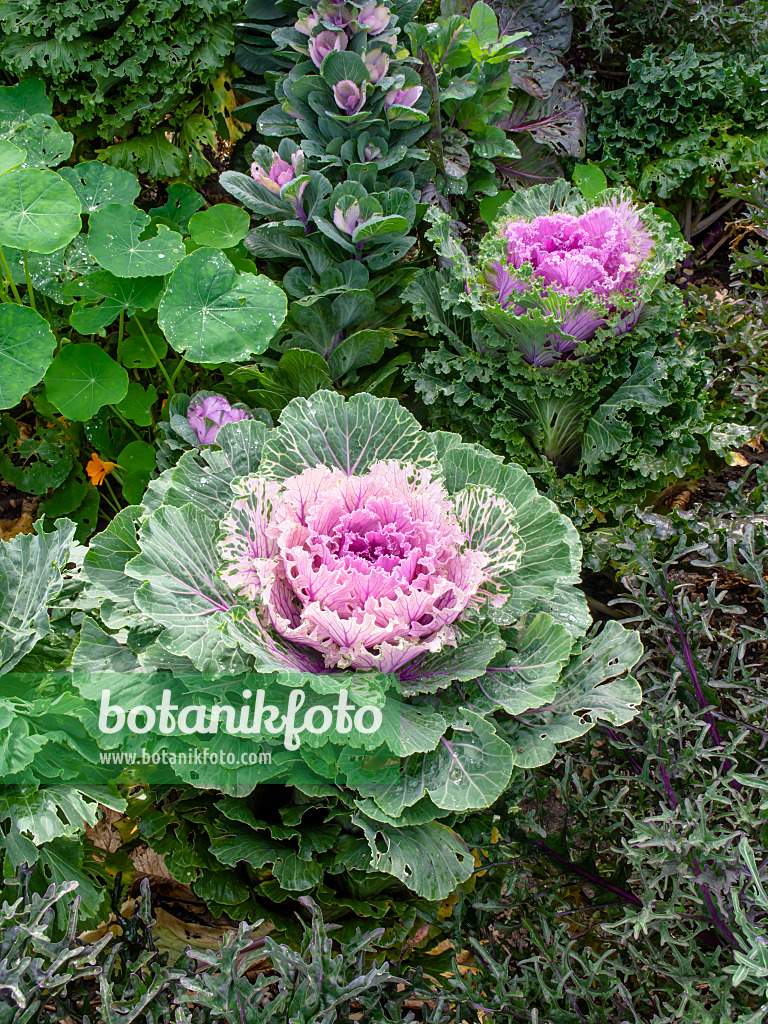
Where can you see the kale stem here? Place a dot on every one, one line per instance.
(697, 687)
(30, 290)
(595, 879)
(7, 271)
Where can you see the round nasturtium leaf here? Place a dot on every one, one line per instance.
(46, 143)
(137, 404)
(114, 240)
(222, 226)
(137, 462)
(22, 101)
(98, 185)
(26, 350)
(10, 156)
(133, 350)
(83, 378)
(214, 315)
(39, 211)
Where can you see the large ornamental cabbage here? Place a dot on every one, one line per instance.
(591, 259)
(349, 551)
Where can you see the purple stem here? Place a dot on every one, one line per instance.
(614, 736)
(298, 206)
(448, 50)
(700, 696)
(714, 914)
(627, 897)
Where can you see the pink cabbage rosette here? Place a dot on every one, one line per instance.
(585, 268)
(370, 568)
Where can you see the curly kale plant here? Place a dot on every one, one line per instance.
(561, 344)
(115, 70)
(351, 557)
(618, 27)
(685, 124)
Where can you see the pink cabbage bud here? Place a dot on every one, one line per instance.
(347, 220)
(371, 153)
(373, 19)
(208, 415)
(377, 63)
(280, 173)
(306, 25)
(324, 43)
(403, 97)
(339, 15)
(349, 96)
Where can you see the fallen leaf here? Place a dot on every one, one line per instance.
(736, 459)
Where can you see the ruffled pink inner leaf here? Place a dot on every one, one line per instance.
(369, 570)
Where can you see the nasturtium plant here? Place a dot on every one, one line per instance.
(98, 185)
(39, 211)
(10, 156)
(349, 550)
(114, 240)
(95, 288)
(214, 314)
(82, 378)
(222, 226)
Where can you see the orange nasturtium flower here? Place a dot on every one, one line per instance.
(97, 469)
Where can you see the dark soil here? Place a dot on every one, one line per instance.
(12, 501)
(716, 487)
(156, 194)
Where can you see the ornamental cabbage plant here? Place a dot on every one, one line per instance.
(370, 570)
(591, 260)
(348, 551)
(561, 346)
(551, 280)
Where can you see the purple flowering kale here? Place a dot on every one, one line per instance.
(279, 173)
(369, 570)
(377, 63)
(374, 19)
(362, 557)
(591, 261)
(601, 250)
(347, 219)
(403, 97)
(206, 416)
(555, 280)
(557, 276)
